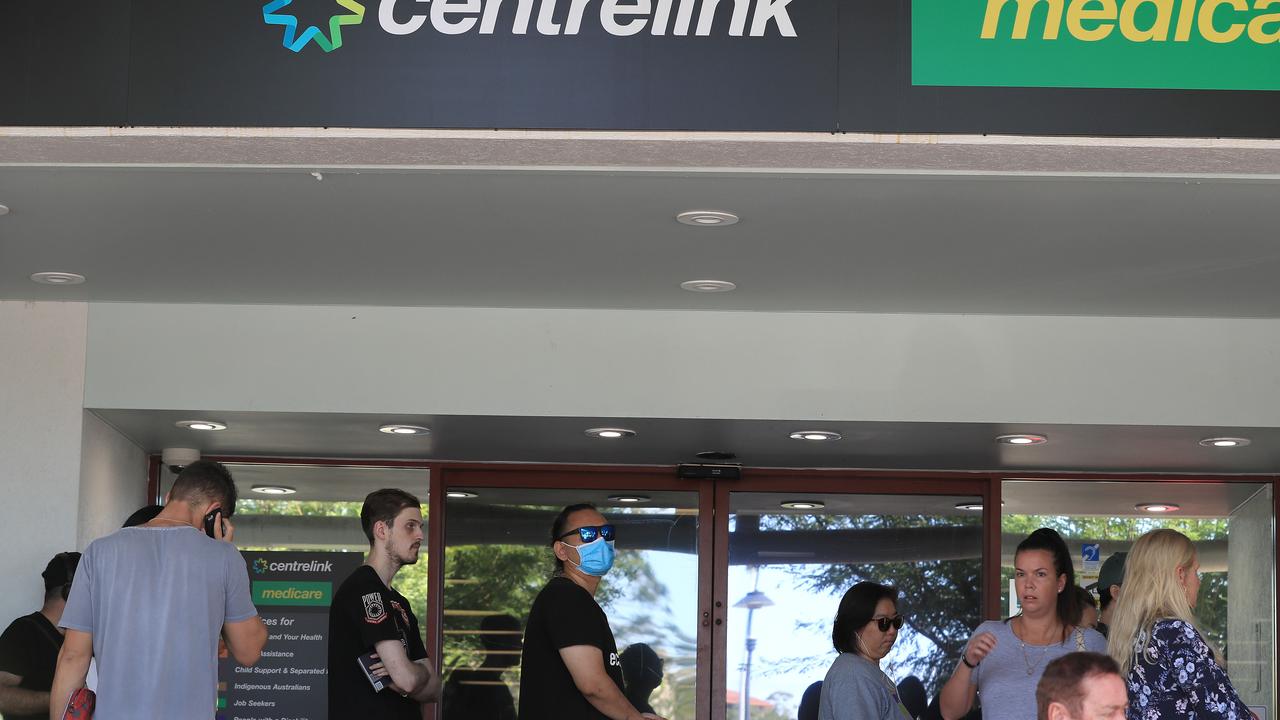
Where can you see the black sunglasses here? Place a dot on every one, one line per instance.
(884, 623)
(590, 532)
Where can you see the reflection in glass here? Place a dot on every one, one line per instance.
(805, 560)
(497, 559)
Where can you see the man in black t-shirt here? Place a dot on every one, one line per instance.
(570, 669)
(29, 646)
(367, 616)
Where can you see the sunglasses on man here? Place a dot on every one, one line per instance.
(884, 623)
(589, 533)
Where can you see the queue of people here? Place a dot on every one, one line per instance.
(179, 561)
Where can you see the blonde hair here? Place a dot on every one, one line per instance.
(1150, 592)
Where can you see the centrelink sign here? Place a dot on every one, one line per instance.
(621, 18)
(1157, 44)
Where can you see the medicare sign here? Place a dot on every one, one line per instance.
(1141, 44)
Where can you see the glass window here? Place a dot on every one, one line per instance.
(789, 565)
(1231, 524)
(497, 559)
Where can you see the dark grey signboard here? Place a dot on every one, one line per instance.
(292, 591)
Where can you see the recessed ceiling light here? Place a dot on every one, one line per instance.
(708, 286)
(206, 425)
(707, 218)
(969, 506)
(397, 429)
(274, 489)
(1157, 507)
(57, 278)
(629, 498)
(460, 494)
(803, 504)
(815, 435)
(610, 433)
(1022, 439)
(1225, 442)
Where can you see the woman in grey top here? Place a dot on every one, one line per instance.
(1003, 661)
(866, 626)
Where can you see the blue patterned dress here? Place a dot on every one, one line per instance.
(1177, 677)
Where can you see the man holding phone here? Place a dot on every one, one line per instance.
(150, 602)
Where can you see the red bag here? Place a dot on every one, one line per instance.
(80, 706)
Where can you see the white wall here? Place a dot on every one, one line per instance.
(113, 479)
(838, 366)
(42, 361)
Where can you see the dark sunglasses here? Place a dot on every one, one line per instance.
(589, 533)
(884, 623)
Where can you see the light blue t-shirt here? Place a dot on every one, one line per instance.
(856, 689)
(1007, 677)
(155, 600)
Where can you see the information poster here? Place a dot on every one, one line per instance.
(292, 591)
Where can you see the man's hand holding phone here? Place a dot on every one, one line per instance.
(218, 527)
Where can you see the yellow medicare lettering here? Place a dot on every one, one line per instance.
(1258, 26)
(1210, 32)
(1022, 20)
(1077, 15)
(1186, 18)
(1159, 29)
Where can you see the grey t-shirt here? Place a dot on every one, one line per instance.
(155, 600)
(855, 689)
(1005, 687)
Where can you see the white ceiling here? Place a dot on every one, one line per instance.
(906, 242)
(666, 441)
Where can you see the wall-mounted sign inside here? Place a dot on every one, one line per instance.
(1168, 44)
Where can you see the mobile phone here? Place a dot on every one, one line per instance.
(212, 521)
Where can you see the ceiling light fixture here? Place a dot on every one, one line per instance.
(969, 506)
(57, 278)
(4, 209)
(803, 504)
(610, 433)
(1022, 439)
(460, 494)
(815, 435)
(707, 218)
(1225, 442)
(203, 425)
(629, 498)
(708, 286)
(274, 489)
(1158, 507)
(398, 429)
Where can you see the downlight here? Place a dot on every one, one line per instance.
(1158, 507)
(816, 435)
(1225, 442)
(460, 494)
(398, 429)
(57, 278)
(1022, 439)
(274, 489)
(610, 433)
(202, 425)
(803, 504)
(707, 218)
(708, 286)
(629, 499)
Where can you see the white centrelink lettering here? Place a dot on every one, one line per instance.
(775, 10)
(387, 19)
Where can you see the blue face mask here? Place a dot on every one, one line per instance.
(596, 557)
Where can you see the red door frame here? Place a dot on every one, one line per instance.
(712, 596)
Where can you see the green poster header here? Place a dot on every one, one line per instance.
(287, 592)
(1155, 44)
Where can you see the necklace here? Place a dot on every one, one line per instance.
(1031, 666)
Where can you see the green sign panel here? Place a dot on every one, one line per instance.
(287, 592)
(1169, 44)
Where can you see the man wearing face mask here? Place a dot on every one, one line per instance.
(570, 669)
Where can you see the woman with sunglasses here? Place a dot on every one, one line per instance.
(1004, 660)
(1170, 670)
(866, 626)
(569, 668)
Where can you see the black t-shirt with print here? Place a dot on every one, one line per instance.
(563, 615)
(29, 649)
(365, 612)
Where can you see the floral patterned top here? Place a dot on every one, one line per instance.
(1177, 677)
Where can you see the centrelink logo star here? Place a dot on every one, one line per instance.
(295, 42)
(260, 565)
